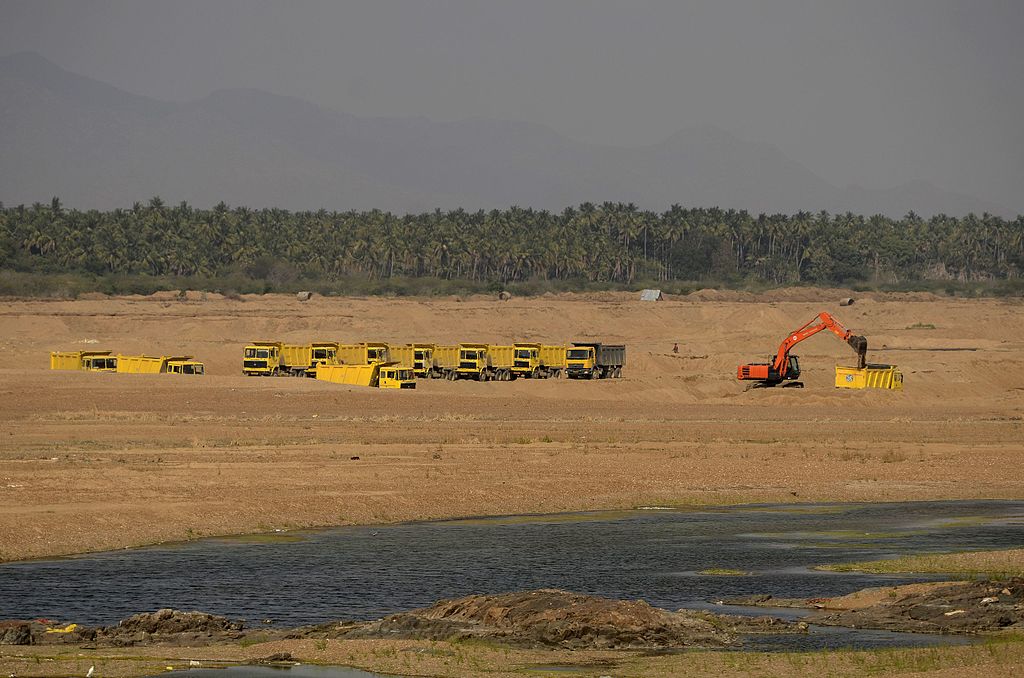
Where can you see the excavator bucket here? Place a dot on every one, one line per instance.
(860, 345)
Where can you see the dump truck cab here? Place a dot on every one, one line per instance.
(377, 352)
(580, 361)
(472, 361)
(363, 353)
(323, 353)
(185, 367)
(262, 359)
(526, 361)
(100, 363)
(423, 365)
(395, 376)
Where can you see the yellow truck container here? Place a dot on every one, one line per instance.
(262, 359)
(446, 360)
(376, 375)
(302, 359)
(95, 361)
(363, 353)
(144, 364)
(538, 361)
(871, 376)
(186, 367)
(485, 362)
(403, 354)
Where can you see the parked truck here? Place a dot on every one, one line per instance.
(587, 360)
(302, 360)
(375, 375)
(262, 359)
(94, 361)
(486, 362)
(538, 361)
(363, 353)
(144, 364)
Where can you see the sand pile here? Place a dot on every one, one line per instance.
(555, 618)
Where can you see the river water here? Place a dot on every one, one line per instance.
(657, 555)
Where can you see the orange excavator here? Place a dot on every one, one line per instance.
(786, 368)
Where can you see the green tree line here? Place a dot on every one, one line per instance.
(610, 242)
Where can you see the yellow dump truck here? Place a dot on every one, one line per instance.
(591, 360)
(870, 376)
(446, 360)
(486, 362)
(144, 364)
(538, 361)
(262, 359)
(376, 375)
(363, 353)
(95, 361)
(302, 360)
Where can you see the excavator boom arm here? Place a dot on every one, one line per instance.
(823, 321)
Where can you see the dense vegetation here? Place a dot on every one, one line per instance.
(590, 245)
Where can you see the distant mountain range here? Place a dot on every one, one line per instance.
(96, 146)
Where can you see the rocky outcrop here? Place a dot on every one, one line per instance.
(555, 618)
(960, 607)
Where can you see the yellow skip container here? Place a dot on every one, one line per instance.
(871, 376)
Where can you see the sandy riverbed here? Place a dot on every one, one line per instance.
(98, 461)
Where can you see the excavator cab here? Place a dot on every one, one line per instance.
(794, 368)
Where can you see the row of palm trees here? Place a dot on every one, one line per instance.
(608, 242)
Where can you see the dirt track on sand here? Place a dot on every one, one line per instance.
(99, 461)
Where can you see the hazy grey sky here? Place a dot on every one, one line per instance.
(871, 92)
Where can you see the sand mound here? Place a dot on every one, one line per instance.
(555, 618)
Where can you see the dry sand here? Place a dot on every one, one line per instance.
(98, 461)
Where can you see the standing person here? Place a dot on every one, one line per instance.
(675, 347)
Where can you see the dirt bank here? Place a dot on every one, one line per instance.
(546, 618)
(102, 461)
(934, 607)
